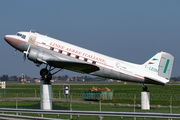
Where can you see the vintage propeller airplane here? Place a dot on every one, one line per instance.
(42, 49)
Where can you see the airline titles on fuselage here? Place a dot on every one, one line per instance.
(76, 52)
(151, 68)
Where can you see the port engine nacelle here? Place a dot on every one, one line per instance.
(38, 55)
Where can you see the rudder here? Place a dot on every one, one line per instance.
(165, 65)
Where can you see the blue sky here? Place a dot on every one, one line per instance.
(129, 30)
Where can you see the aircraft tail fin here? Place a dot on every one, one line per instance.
(160, 64)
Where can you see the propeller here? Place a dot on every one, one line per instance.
(26, 52)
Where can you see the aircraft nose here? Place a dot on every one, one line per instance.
(9, 39)
(13, 40)
(6, 38)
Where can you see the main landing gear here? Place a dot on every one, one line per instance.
(46, 74)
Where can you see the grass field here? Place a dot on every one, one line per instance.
(77, 88)
(126, 92)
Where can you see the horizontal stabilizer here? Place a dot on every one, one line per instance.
(154, 81)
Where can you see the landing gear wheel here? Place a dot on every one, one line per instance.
(144, 88)
(43, 71)
(47, 77)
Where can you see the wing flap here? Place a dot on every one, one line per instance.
(74, 66)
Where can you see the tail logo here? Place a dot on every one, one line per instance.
(152, 60)
(151, 68)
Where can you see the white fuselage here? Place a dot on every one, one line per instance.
(109, 67)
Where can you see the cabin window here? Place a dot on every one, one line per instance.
(23, 36)
(60, 51)
(85, 59)
(77, 56)
(51, 48)
(43, 43)
(93, 62)
(68, 54)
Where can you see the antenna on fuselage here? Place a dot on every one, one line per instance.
(32, 30)
(15, 52)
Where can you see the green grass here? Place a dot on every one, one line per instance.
(117, 88)
(30, 89)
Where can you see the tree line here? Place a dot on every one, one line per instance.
(63, 78)
(176, 78)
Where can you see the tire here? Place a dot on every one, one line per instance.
(144, 88)
(46, 76)
(43, 71)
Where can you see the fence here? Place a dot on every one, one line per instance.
(123, 96)
(128, 102)
(118, 98)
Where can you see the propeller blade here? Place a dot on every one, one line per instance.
(24, 56)
(26, 52)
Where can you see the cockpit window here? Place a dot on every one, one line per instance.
(23, 36)
(18, 34)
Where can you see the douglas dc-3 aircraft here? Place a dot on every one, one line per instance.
(42, 49)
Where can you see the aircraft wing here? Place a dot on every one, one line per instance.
(74, 66)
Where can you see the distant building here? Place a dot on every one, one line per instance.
(81, 79)
(69, 79)
(37, 81)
